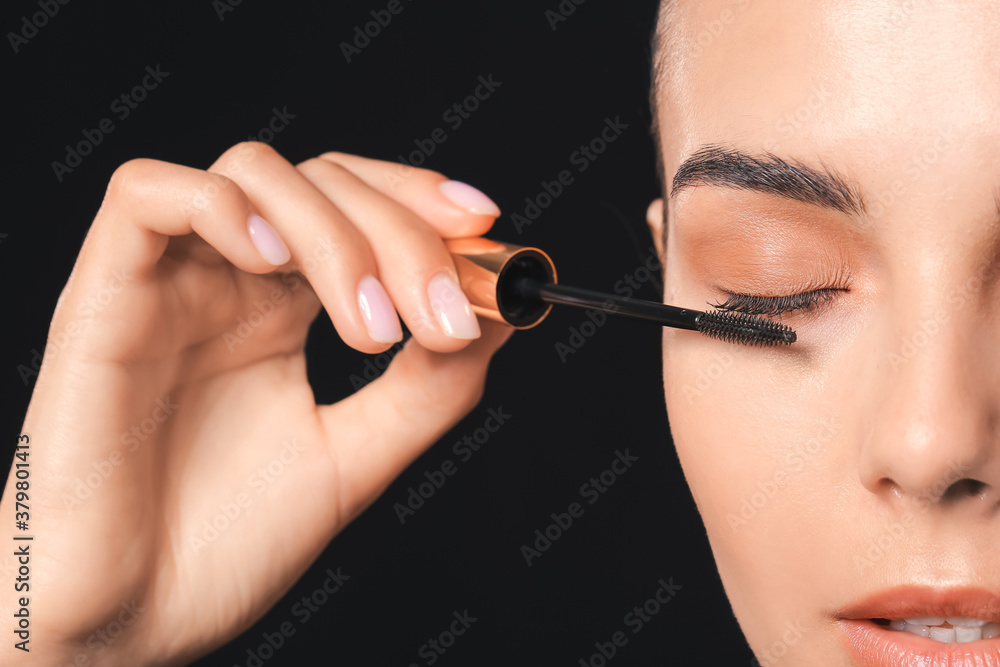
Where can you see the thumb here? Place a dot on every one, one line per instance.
(376, 433)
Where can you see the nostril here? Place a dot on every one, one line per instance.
(963, 488)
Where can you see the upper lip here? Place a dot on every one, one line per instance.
(916, 601)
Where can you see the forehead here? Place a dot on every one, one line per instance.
(828, 78)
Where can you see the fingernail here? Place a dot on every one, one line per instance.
(465, 196)
(268, 243)
(452, 308)
(377, 312)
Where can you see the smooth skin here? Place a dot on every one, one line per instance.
(142, 346)
(866, 456)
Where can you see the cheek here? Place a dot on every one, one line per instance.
(730, 418)
(757, 435)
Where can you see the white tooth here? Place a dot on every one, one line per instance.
(917, 629)
(963, 635)
(926, 620)
(897, 624)
(966, 622)
(946, 635)
(991, 630)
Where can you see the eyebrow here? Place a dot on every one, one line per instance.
(769, 174)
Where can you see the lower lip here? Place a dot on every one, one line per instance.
(874, 645)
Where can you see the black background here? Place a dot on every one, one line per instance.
(461, 550)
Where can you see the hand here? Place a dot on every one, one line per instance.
(174, 436)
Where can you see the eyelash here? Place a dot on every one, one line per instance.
(753, 304)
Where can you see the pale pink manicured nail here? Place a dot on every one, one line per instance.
(268, 243)
(452, 308)
(467, 197)
(377, 312)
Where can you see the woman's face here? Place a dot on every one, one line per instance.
(856, 473)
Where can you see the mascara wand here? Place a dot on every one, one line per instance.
(727, 326)
(518, 286)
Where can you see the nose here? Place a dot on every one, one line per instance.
(934, 435)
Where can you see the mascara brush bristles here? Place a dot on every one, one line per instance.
(744, 329)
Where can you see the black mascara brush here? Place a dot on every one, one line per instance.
(518, 286)
(728, 326)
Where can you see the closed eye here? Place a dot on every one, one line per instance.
(753, 304)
